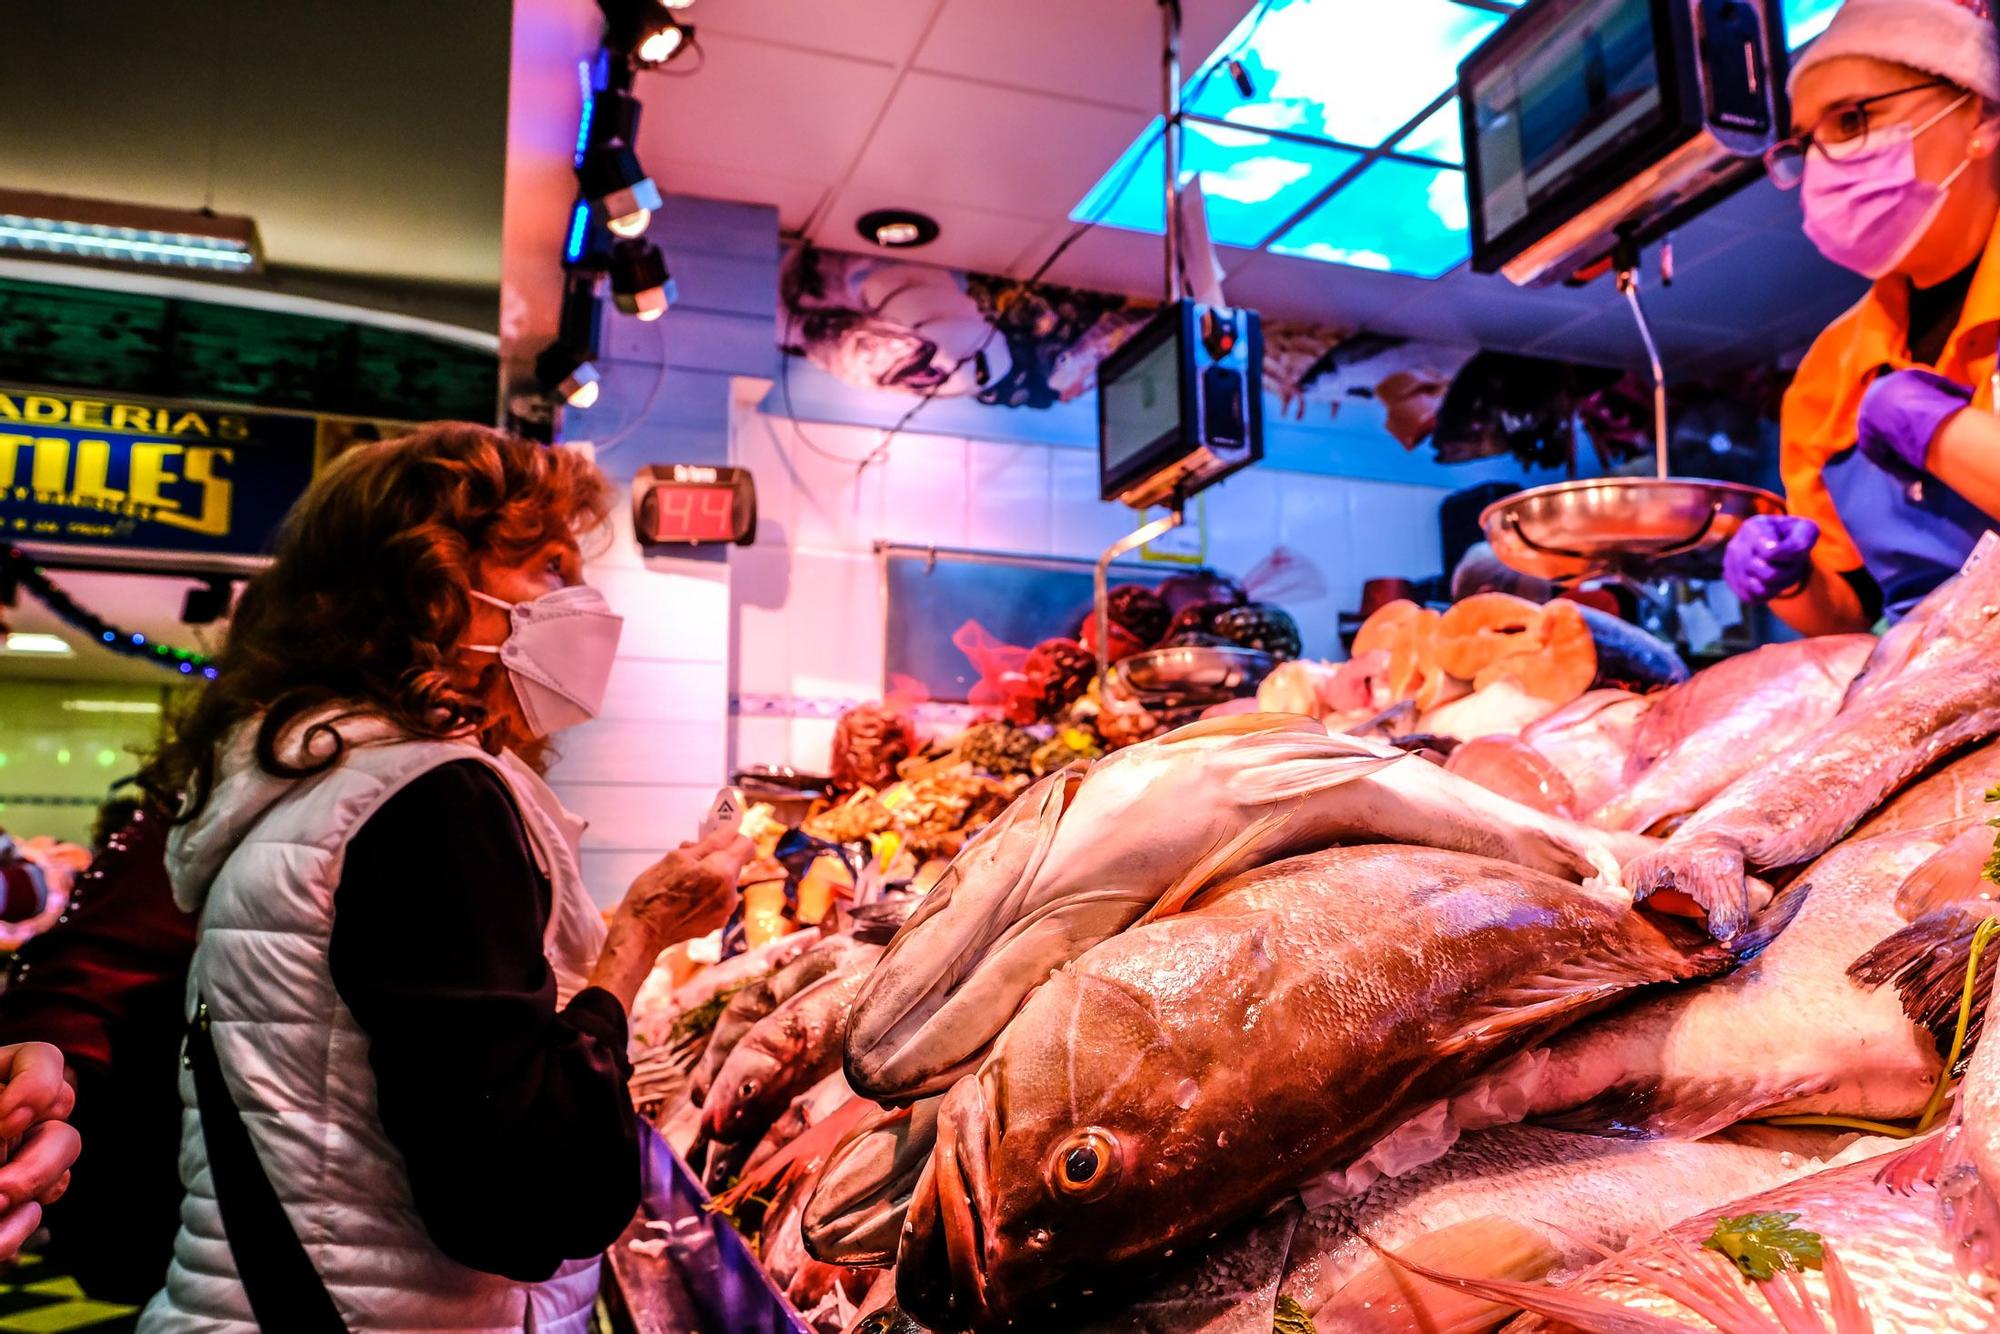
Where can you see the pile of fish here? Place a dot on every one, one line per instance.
(1260, 1027)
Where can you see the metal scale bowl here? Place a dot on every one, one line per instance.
(1639, 531)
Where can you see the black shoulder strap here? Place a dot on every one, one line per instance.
(285, 1291)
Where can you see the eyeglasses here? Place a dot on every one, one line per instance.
(1840, 134)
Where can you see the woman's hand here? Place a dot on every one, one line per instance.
(689, 892)
(692, 890)
(35, 1104)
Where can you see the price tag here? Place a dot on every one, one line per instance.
(1980, 551)
(726, 813)
(1185, 545)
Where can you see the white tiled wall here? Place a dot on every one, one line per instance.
(808, 597)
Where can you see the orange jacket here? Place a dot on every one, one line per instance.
(1824, 401)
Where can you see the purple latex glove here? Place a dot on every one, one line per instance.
(1900, 416)
(1771, 554)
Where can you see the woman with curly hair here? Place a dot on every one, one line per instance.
(405, 1087)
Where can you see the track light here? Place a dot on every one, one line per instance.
(567, 367)
(645, 30)
(609, 174)
(568, 376)
(640, 283)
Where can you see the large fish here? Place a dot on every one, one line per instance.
(1787, 1033)
(785, 1053)
(1076, 860)
(762, 995)
(1882, 1264)
(1937, 693)
(1185, 1072)
(1517, 1202)
(1727, 721)
(858, 1204)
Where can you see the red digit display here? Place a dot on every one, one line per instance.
(690, 512)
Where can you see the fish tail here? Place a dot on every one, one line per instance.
(1710, 875)
(1926, 961)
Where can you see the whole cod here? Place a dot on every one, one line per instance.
(1078, 859)
(1188, 1071)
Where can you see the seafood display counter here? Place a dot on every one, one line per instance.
(1504, 972)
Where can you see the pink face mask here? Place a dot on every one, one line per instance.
(1867, 212)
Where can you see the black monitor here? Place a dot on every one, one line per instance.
(1181, 405)
(1588, 120)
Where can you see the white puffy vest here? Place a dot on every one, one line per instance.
(260, 866)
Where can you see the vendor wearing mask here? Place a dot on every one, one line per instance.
(405, 1093)
(1890, 480)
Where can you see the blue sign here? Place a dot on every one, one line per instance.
(153, 483)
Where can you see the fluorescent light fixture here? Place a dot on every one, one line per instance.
(110, 706)
(1395, 216)
(1252, 182)
(54, 646)
(1807, 19)
(104, 231)
(1354, 71)
(1440, 137)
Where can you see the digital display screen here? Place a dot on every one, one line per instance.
(1141, 405)
(690, 512)
(1591, 77)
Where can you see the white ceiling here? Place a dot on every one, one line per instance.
(997, 116)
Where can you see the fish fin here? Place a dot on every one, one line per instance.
(1906, 1171)
(1709, 873)
(1563, 1304)
(1951, 875)
(1578, 985)
(1210, 866)
(1926, 962)
(1490, 1248)
(1315, 766)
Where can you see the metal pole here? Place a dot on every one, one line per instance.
(1170, 12)
(1130, 542)
(1628, 283)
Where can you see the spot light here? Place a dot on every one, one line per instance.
(897, 228)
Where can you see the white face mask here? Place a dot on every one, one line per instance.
(558, 654)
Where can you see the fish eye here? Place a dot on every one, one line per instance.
(749, 1089)
(1085, 1166)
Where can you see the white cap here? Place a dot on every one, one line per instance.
(1953, 39)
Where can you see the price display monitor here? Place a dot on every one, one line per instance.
(694, 505)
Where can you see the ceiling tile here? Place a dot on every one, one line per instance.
(1304, 291)
(791, 114)
(888, 32)
(1093, 51)
(1609, 338)
(989, 147)
(1488, 311)
(1753, 283)
(974, 239)
(794, 200)
(1110, 260)
(1393, 216)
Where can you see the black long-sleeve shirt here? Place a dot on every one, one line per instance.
(513, 1116)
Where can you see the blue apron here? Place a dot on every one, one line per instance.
(1910, 546)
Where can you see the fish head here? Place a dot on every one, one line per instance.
(893, 1051)
(749, 1092)
(1050, 1174)
(858, 1204)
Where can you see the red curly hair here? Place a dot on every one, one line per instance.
(368, 591)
